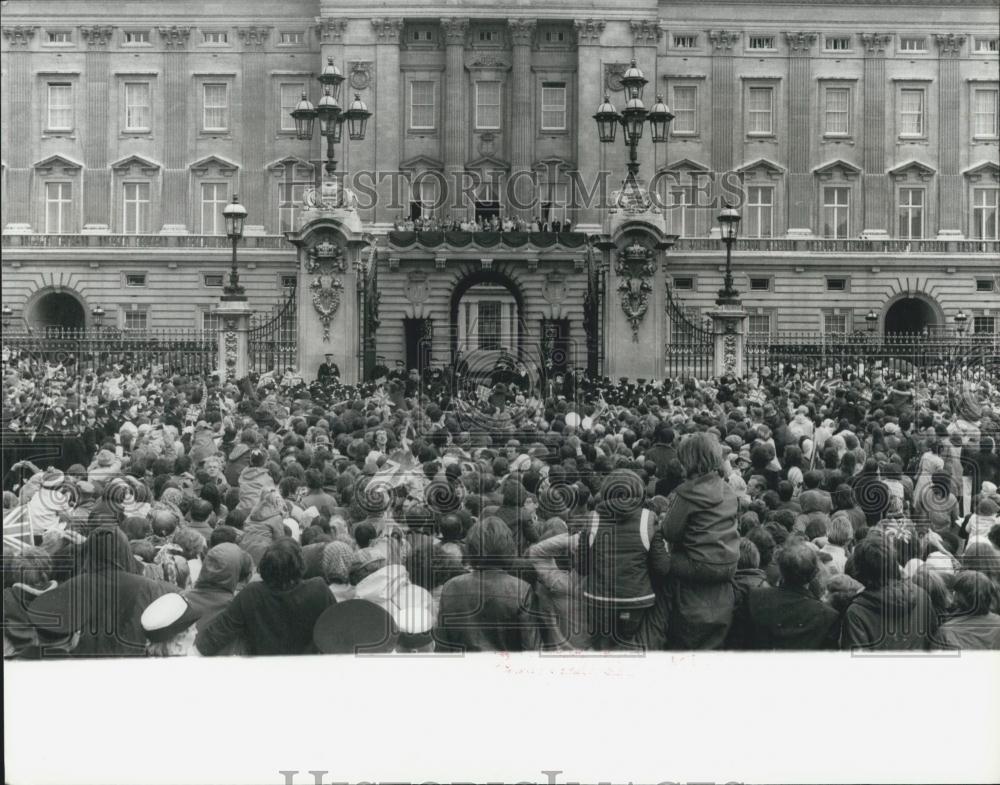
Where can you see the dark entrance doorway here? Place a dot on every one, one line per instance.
(419, 335)
(59, 310)
(910, 315)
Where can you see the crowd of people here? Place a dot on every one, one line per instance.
(151, 514)
(482, 223)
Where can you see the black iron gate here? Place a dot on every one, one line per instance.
(690, 347)
(368, 316)
(593, 314)
(272, 338)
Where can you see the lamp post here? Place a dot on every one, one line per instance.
(961, 319)
(236, 216)
(97, 313)
(729, 223)
(8, 312)
(633, 117)
(330, 114)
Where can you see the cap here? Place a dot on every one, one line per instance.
(355, 627)
(53, 478)
(166, 616)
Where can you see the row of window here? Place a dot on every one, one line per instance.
(685, 283)
(838, 322)
(143, 37)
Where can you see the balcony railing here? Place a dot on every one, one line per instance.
(141, 241)
(822, 245)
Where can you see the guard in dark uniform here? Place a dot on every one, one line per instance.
(328, 370)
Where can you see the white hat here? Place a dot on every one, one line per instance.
(166, 616)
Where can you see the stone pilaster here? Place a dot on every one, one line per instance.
(16, 99)
(97, 199)
(456, 115)
(874, 182)
(388, 123)
(253, 185)
(729, 323)
(950, 180)
(800, 180)
(590, 91)
(234, 338)
(724, 98)
(522, 33)
(176, 132)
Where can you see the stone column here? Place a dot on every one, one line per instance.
(590, 92)
(387, 121)
(17, 91)
(254, 129)
(456, 108)
(176, 131)
(950, 181)
(800, 180)
(97, 196)
(521, 33)
(234, 341)
(874, 182)
(725, 99)
(729, 323)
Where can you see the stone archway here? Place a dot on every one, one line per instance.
(59, 308)
(911, 313)
(486, 319)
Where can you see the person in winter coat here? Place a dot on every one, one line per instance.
(28, 574)
(202, 443)
(748, 577)
(273, 616)
(788, 616)
(972, 626)
(558, 588)
(239, 457)
(613, 557)
(264, 525)
(217, 582)
(700, 529)
(254, 479)
(104, 603)
(891, 613)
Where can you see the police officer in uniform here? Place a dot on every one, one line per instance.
(328, 369)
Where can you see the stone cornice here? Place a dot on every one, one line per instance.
(522, 31)
(950, 44)
(387, 30)
(19, 35)
(254, 36)
(646, 32)
(800, 43)
(875, 43)
(455, 29)
(330, 31)
(96, 36)
(174, 36)
(723, 40)
(588, 31)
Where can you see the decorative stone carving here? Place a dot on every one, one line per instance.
(96, 35)
(19, 35)
(490, 61)
(387, 30)
(418, 287)
(588, 31)
(330, 31)
(729, 349)
(875, 43)
(330, 196)
(361, 74)
(455, 30)
(613, 73)
(231, 344)
(951, 44)
(326, 262)
(555, 289)
(646, 32)
(522, 31)
(174, 37)
(800, 42)
(723, 39)
(635, 269)
(255, 36)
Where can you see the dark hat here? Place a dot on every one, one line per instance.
(355, 627)
(166, 616)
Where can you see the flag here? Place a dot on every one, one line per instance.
(17, 531)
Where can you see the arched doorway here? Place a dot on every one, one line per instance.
(910, 315)
(59, 309)
(487, 323)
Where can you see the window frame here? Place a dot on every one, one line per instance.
(768, 281)
(146, 227)
(829, 279)
(217, 220)
(693, 37)
(751, 88)
(838, 37)
(227, 107)
(835, 313)
(749, 206)
(126, 33)
(301, 38)
(60, 32)
(207, 285)
(479, 126)
(922, 115)
(284, 110)
(677, 288)
(903, 39)
(991, 285)
(921, 211)
(223, 33)
(978, 40)
(410, 105)
(978, 319)
(215, 316)
(128, 311)
(126, 274)
(980, 223)
(696, 126)
(126, 128)
(564, 108)
(69, 107)
(761, 313)
(836, 206)
(973, 114)
(65, 213)
(773, 47)
(847, 88)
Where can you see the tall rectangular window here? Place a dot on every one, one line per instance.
(984, 214)
(911, 213)
(487, 104)
(837, 111)
(489, 324)
(911, 112)
(137, 106)
(759, 106)
(58, 207)
(214, 196)
(759, 211)
(136, 208)
(984, 113)
(553, 200)
(60, 106)
(686, 211)
(836, 212)
(422, 105)
(216, 106)
(291, 94)
(553, 106)
(289, 204)
(685, 110)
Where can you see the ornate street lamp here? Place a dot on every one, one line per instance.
(871, 320)
(8, 312)
(729, 223)
(960, 322)
(97, 313)
(632, 117)
(236, 216)
(357, 118)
